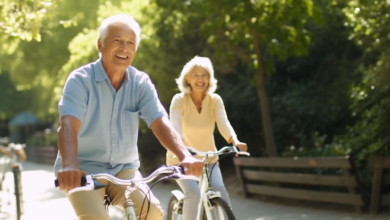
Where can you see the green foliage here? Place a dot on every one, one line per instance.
(23, 19)
(231, 26)
(370, 97)
(34, 67)
(8, 105)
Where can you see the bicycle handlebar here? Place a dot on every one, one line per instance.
(89, 181)
(224, 150)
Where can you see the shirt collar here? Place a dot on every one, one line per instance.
(101, 74)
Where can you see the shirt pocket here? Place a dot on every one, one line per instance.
(130, 121)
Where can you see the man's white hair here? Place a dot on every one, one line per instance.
(123, 19)
(201, 62)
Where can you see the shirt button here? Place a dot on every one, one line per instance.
(112, 159)
(114, 116)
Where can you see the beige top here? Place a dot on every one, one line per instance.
(196, 129)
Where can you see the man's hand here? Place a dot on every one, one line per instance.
(192, 165)
(70, 178)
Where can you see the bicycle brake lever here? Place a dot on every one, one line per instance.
(236, 150)
(89, 185)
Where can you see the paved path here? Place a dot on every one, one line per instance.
(44, 202)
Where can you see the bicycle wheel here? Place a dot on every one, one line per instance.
(174, 209)
(18, 192)
(221, 210)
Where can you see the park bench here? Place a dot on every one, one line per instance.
(319, 179)
(380, 182)
(42, 154)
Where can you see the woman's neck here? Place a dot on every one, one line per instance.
(197, 97)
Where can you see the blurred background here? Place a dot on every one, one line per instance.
(298, 77)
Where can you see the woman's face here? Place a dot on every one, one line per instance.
(198, 78)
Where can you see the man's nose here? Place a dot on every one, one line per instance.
(125, 45)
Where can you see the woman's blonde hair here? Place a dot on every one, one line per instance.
(201, 62)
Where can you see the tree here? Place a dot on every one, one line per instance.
(33, 66)
(255, 32)
(369, 24)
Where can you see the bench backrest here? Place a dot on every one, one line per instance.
(298, 178)
(254, 171)
(380, 179)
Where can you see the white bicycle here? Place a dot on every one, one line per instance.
(211, 205)
(90, 183)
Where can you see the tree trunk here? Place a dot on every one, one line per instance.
(264, 107)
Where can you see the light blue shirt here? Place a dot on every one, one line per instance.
(107, 139)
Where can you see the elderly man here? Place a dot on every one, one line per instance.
(99, 114)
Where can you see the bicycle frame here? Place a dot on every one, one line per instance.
(10, 158)
(206, 191)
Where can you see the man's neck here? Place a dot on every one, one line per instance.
(116, 75)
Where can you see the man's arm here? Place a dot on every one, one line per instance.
(170, 139)
(70, 175)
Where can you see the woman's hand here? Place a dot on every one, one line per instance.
(241, 146)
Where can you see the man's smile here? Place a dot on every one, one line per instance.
(122, 57)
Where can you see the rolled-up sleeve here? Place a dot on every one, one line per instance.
(175, 113)
(223, 123)
(74, 98)
(150, 106)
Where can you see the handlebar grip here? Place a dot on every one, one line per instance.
(83, 182)
(182, 170)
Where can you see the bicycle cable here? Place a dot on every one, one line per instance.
(212, 168)
(145, 194)
(162, 178)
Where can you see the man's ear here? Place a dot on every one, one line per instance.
(99, 45)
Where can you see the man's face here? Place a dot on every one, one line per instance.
(119, 46)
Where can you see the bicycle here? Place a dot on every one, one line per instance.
(90, 182)
(12, 156)
(209, 199)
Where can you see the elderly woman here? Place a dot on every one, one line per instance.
(193, 113)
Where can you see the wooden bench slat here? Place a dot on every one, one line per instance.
(386, 180)
(378, 161)
(385, 200)
(309, 179)
(340, 198)
(301, 162)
